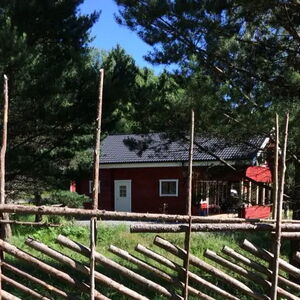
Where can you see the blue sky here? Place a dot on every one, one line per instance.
(108, 33)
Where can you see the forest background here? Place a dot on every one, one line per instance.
(236, 63)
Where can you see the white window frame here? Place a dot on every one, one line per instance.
(91, 186)
(168, 195)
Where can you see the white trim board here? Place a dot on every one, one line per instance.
(173, 164)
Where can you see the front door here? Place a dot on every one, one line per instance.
(123, 195)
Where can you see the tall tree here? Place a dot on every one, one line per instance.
(247, 52)
(44, 51)
(250, 50)
(243, 57)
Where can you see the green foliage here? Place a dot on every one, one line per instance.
(246, 53)
(66, 198)
(237, 61)
(52, 86)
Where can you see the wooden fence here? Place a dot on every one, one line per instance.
(229, 267)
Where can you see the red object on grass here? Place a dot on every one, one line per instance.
(256, 212)
(259, 174)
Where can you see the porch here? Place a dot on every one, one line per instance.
(212, 197)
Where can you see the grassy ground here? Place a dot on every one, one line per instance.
(120, 237)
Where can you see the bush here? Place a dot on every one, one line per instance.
(67, 198)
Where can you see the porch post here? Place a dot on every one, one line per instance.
(263, 196)
(242, 189)
(257, 195)
(249, 191)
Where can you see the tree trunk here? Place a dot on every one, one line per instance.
(5, 229)
(38, 202)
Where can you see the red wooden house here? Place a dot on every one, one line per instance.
(148, 173)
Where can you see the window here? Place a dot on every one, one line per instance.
(91, 185)
(168, 187)
(123, 191)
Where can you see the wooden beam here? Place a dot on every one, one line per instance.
(259, 267)
(232, 282)
(40, 282)
(14, 251)
(290, 235)
(248, 274)
(268, 256)
(159, 228)
(7, 296)
(23, 288)
(83, 269)
(110, 264)
(37, 224)
(176, 267)
(124, 216)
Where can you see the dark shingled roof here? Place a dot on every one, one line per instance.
(156, 147)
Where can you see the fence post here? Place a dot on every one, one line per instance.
(189, 209)
(93, 221)
(277, 240)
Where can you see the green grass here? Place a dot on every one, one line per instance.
(120, 237)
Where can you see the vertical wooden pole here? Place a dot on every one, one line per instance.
(189, 209)
(242, 190)
(5, 228)
(267, 196)
(93, 221)
(263, 196)
(257, 195)
(275, 177)
(5, 231)
(277, 240)
(249, 191)
(4, 139)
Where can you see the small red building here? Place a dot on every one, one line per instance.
(148, 173)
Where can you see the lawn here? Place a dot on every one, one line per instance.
(121, 237)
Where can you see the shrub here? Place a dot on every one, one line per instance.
(67, 198)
